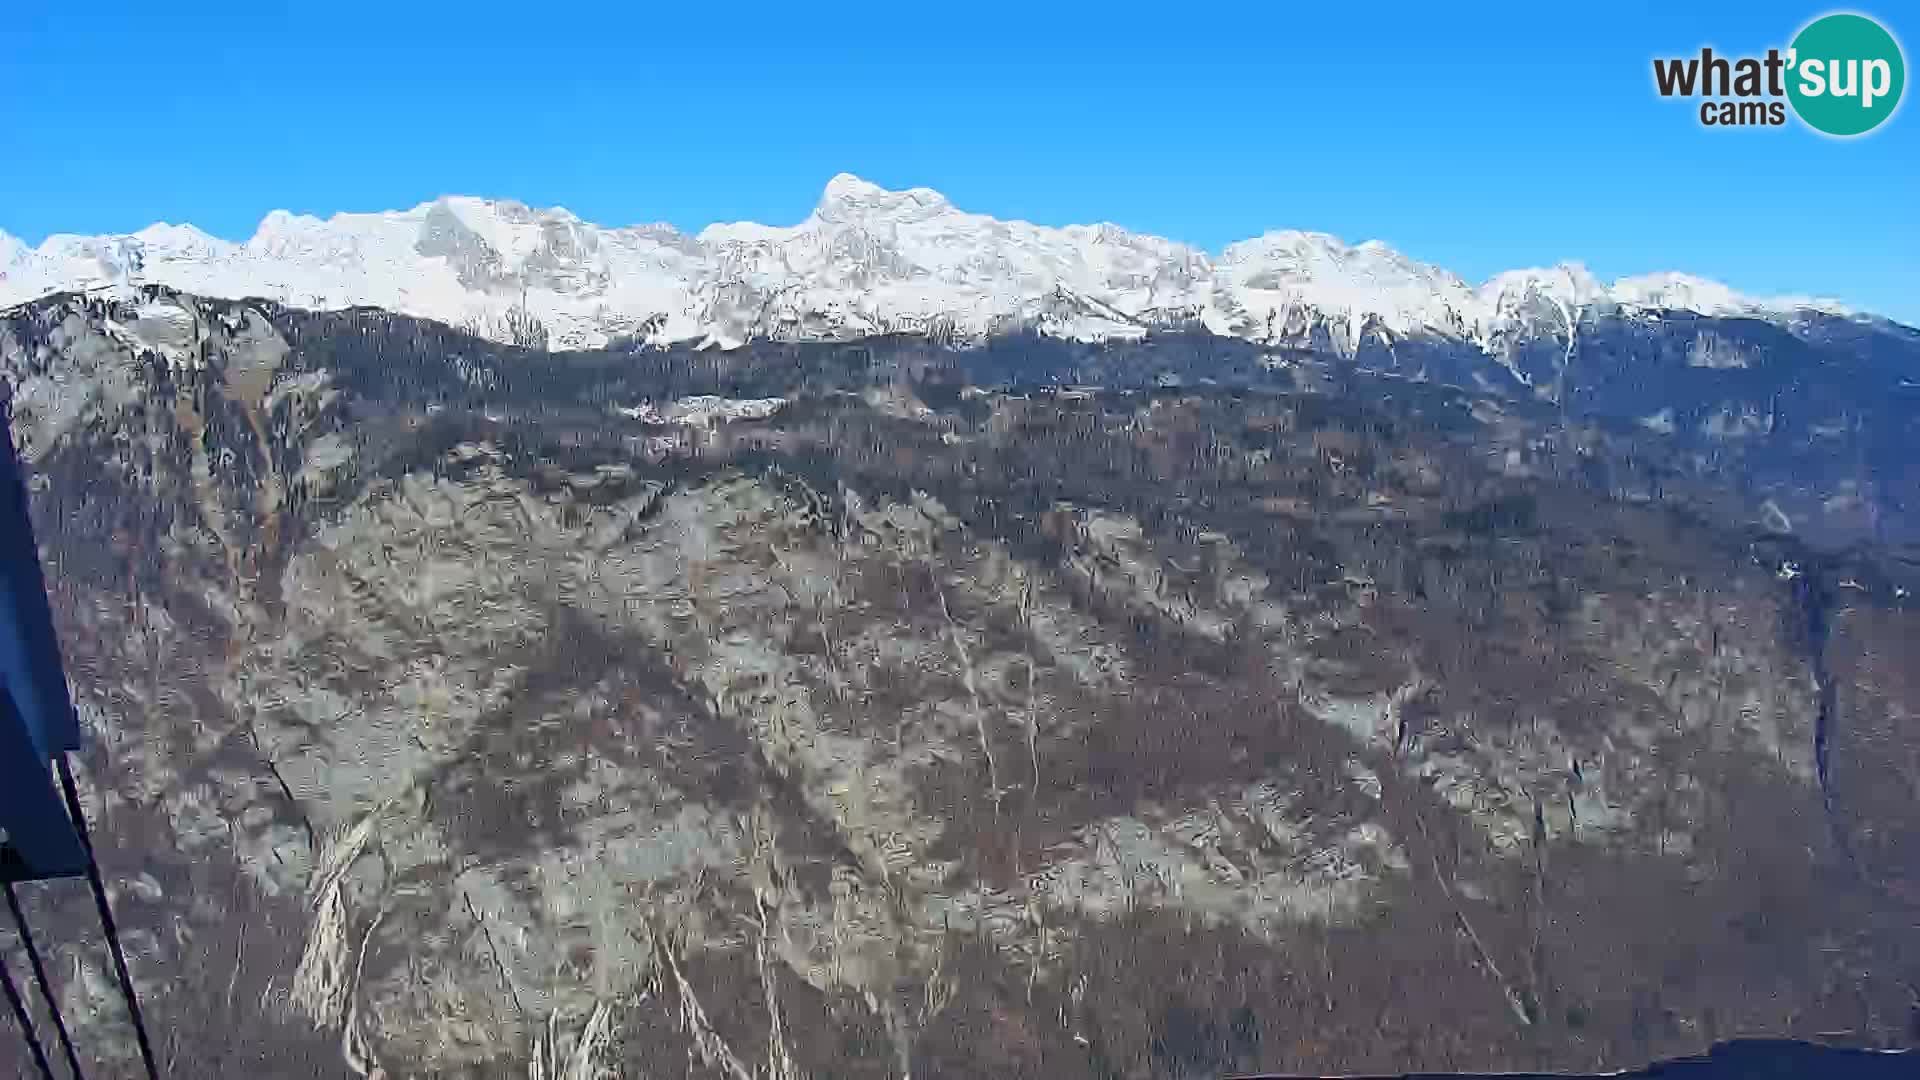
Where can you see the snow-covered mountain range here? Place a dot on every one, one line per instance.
(866, 261)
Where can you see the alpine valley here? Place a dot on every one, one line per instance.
(913, 644)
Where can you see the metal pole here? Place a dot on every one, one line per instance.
(26, 1022)
(79, 815)
(40, 977)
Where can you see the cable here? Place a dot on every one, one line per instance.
(40, 977)
(26, 1022)
(106, 915)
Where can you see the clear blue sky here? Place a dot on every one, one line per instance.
(1481, 137)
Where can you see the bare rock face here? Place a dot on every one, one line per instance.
(462, 711)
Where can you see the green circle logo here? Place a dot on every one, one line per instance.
(1845, 74)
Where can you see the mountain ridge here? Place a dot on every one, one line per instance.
(865, 260)
(455, 701)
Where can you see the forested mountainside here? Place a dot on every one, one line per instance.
(1157, 707)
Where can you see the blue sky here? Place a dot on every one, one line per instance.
(1499, 136)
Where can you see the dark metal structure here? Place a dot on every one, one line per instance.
(43, 828)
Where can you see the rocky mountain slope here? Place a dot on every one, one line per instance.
(891, 709)
(866, 261)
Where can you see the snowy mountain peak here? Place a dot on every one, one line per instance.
(181, 238)
(1688, 293)
(1567, 287)
(867, 260)
(1279, 276)
(849, 198)
(848, 188)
